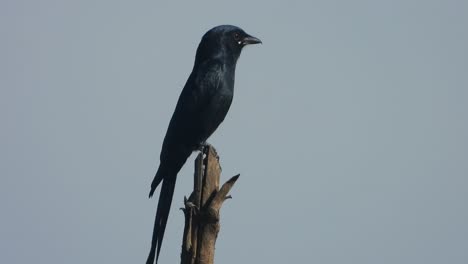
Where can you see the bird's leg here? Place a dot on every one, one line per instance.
(203, 146)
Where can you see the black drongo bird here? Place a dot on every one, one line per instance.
(202, 106)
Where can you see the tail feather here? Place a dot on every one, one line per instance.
(162, 214)
(157, 180)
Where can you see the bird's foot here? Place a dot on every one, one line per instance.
(189, 205)
(203, 146)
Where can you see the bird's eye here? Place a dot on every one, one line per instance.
(237, 36)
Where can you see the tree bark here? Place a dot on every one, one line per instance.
(202, 209)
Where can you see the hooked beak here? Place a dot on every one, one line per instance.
(250, 40)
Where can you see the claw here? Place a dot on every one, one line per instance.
(190, 205)
(202, 146)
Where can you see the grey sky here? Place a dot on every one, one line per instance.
(349, 128)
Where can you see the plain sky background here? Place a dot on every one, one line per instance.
(349, 129)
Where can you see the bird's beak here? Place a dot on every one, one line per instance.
(250, 40)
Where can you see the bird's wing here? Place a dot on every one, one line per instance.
(202, 85)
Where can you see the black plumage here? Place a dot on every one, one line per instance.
(202, 106)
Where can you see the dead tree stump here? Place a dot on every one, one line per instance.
(202, 209)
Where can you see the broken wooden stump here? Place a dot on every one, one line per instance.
(202, 209)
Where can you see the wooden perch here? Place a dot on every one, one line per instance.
(202, 209)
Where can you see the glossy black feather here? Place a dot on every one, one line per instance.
(202, 106)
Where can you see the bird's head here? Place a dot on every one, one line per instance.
(225, 40)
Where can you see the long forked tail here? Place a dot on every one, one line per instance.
(160, 174)
(162, 213)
